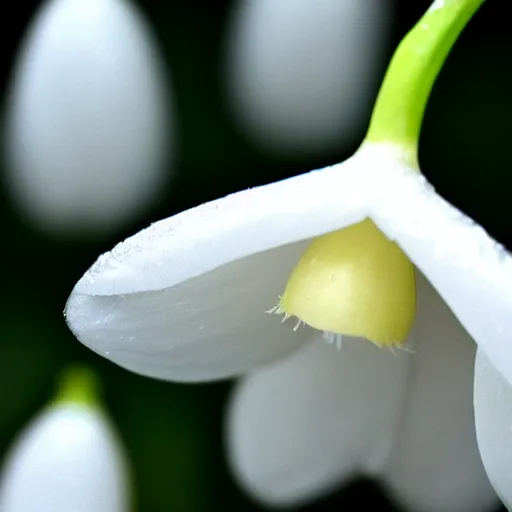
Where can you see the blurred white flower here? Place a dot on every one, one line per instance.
(67, 459)
(88, 122)
(185, 300)
(301, 74)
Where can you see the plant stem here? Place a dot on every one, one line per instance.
(403, 96)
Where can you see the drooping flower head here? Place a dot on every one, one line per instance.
(88, 124)
(362, 249)
(301, 74)
(68, 458)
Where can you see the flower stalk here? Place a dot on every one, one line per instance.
(79, 386)
(403, 96)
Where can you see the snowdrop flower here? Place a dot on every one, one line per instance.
(87, 127)
(67, 459)
(300, 74)
(362, 249)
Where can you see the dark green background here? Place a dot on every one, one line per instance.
(173, 432)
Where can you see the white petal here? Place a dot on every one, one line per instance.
(470, 270)
(87, 124)
(67, 460)
(302, 426)
(205, 328)
(300, 73)
(493, 412)
(435, 464)
(186, 298)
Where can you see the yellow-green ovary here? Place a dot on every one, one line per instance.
(354, 282)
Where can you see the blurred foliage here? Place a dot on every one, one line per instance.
(173, 432)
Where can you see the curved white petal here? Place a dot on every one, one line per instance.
(435, 465)
(186, 298)
(302, 426)
(493, 412)
(205, 328)
(87, 124)
(300, 73)
(67, 460)
(470, 270)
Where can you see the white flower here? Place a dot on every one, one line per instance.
(186, 300)
(301, 73)
(87, 126)
(67, 459)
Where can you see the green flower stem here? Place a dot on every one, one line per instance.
(78, 385)
(400, 105)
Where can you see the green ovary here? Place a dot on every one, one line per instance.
(354, 282)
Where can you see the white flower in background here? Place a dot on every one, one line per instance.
(67, 459)
(300, 73)
(362, 249)
(87, 126)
